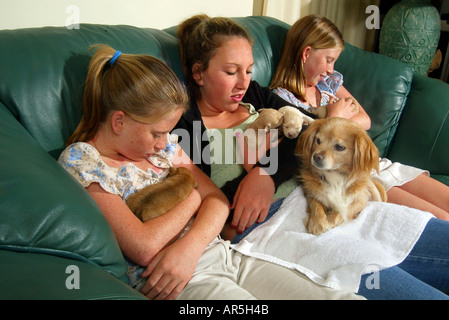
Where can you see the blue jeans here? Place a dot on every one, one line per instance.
(273, 209)
(423, 275)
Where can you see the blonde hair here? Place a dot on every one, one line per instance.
(315, 31)
(200, 36)
(141, 86)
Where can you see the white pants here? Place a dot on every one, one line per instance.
(225, 274)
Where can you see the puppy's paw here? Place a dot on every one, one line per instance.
(355, 103)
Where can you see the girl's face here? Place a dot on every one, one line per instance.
(318, 63)
(228, 75)
(137, 140)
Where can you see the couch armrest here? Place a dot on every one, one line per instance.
(41, 276)
(44, 210)
(422, 138)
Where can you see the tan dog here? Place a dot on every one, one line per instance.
(321, 111)
(156, 199)
(337, 160)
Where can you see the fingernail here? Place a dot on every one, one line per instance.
(233, 227)
(240, 232)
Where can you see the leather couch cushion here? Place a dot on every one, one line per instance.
(45, 277)
(421, 139)
(381, 85)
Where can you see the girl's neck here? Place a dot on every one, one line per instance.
(109, 154)
(313, 96)
(215, 118)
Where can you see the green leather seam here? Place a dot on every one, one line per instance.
(436, 138)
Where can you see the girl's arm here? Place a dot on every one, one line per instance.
(343, 109)
(170, 271)
(140, 242)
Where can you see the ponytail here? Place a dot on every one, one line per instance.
(93, 113)
(143, 87)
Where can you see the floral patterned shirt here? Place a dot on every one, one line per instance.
(85, 164)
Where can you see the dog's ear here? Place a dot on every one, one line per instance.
(366, 154)
(305, 141)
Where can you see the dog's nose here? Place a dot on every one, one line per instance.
(318, 159)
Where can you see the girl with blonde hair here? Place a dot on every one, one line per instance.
(305, 76)
(122, 144)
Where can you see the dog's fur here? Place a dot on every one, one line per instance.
(156, 199)
(321, 111)
(337, 161)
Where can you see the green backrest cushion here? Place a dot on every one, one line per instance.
(381, 85)
(421, 139)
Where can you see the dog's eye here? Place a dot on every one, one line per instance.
(318, 141)
(339, 147)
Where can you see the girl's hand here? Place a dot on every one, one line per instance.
(169, 272)
(343, 108)
(249, 155)
(253, 199)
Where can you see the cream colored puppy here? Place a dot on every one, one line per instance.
(268, 119)
(292, 121)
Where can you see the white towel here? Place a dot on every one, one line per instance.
(382, 236)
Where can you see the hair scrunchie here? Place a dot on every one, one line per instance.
(114, 57)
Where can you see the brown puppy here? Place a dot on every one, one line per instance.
(337, 160)
(156, 199)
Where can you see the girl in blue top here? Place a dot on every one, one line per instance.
(305, 76)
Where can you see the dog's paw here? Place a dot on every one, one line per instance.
(318, 226)
(334, 219)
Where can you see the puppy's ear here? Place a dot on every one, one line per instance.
(281, 121)
(305, 141)
(366, 154)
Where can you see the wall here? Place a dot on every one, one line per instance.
(141, 13)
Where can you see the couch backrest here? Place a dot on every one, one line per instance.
(42, 73)
(381, 85)
(42, 70)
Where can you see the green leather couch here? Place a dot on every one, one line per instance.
(54, 241)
